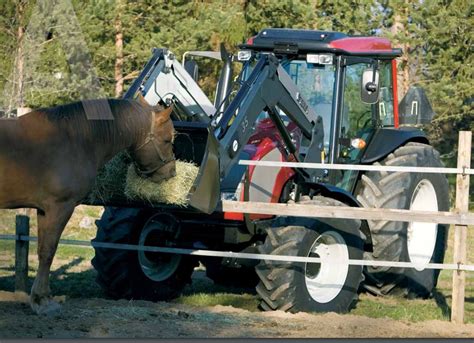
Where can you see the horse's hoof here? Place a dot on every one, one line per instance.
(46, 306)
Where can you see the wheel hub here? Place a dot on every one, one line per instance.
(325, 280)
(157, 266)
(421, 237)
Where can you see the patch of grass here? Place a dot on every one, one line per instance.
(244, 301)
(439, 307)
(71, 231)
(71, 273)
(398, 308)
(7, 221)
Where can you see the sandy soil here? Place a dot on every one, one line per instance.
(141, 319)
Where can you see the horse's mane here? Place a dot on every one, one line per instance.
(106, 120)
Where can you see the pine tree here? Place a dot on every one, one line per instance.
(12, 36)
(445, 35)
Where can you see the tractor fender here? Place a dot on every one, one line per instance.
(347, 198)
(387, 140)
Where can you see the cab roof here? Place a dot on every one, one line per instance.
(296, 41)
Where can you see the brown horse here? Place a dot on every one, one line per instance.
(49, 159)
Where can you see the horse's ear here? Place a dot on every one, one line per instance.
(142, 100)
(165, 114)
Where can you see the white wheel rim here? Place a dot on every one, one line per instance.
(156, 266)
(421, 237)
(325, 280)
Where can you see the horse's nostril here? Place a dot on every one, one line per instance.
(173, 173)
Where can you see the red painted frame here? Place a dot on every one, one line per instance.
(395, 93)
(362, 44)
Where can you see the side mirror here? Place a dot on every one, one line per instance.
(369, 88)
(192, 68)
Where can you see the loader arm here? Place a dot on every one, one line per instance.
(268, 88)
(164, 79)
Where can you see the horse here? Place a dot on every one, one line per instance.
(49, 159)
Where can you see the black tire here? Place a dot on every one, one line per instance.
(120, 273)
(283, 285)
(395, 190)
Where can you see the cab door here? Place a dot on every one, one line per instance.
(357, 120)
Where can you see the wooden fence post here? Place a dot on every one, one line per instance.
(460, 231)
(22, 227)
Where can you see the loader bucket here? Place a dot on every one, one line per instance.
(196, 143)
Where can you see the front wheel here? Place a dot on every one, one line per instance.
(331, 285)
(139, 274)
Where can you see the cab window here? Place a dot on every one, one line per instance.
(385, 105)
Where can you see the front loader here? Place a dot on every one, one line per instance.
(308, 96)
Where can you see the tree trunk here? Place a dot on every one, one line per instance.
(119, 50)
(398, 30)
(17, 99)
(19, 66)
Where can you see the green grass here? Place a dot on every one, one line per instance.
(419, 310)
(400, 309)
(72, 230)
(244, 301)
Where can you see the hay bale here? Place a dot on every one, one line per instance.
(110, 180)
(173, 191)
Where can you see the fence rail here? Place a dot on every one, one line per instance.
(358, 167)
(302, 210)
(239, 255)
(460, 217)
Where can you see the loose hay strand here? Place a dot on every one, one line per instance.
(172, 191)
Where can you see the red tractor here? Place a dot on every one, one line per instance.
(302, 95)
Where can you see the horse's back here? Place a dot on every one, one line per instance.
(38, 158)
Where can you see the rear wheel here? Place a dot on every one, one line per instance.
(416, 242)
(139, 274)
(331, 285)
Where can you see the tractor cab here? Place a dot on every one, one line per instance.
(349, 81)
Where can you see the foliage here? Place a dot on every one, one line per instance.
(70, 47)
(448, 68)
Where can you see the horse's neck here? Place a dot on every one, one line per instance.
(127, 133)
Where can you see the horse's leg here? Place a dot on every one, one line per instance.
(50, 226)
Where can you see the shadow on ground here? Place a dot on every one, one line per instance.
(440, 299)
(82, 284)
(62, 281)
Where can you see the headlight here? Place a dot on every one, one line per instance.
(319, 58)
(244, 55)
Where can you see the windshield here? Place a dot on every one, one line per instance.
(316, 84)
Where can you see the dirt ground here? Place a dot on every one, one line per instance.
(102, 318)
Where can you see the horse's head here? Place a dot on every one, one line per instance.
(153, 154)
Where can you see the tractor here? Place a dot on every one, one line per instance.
(300, 95)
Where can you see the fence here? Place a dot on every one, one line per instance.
(460, 217)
